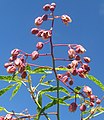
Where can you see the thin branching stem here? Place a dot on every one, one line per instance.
(53, 63)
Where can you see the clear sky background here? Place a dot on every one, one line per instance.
(17, 19)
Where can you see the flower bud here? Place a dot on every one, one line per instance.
(18, 62)
(87, 90)
(34, 55)
(44, 17)
(92, 104)
(38, 21)
(77, 57)
(71, 82)
(53, 4)
(73, 107)
(80, 49)
(39, 34)
(80, 70)
(92, 98)
(39, 45)
(24, 74)
(74, 72)
(21, 68)
(86, 67)
(11, 69)
(82, 107)
(98, 101)
(68, 73)
(65, 79)
(71, 53)
(15, 52)
(69, 66)
(1, 117)
(74, 63)
(46, 7)
(46, 34)
(59, 76)
(87, 59)
(8, 64)
(12, 58)
(34, 30)
(52, 8)
(8, 117)
(82, 75)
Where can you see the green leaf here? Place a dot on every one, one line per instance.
(53, 89)
(16, 90)
(42, 78)
(62, 69)
(47, 83)
(96, 81)
(61, 100)
(39, 70)
(50, 104)
(2, 109)
(10, 78)
(4, 90)
(39, 102)
(78, 88)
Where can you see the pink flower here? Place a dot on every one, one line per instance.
(66, 19)
(87, 90)
(87, 59)
(80, 49)
(71, 53)
(8, 117)
(46, 34)
(8, 64)
(46, 7)
(38, 21)
(18, 62)
(73, 106)
(34, 30)
(39, 45)
(11, 69)
(34, 55)
(15, 52)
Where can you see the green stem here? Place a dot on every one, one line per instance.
(53, 63)
(33, 96)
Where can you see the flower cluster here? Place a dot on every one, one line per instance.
(92, 100)
(77, 66)
(16, 61)
(44, 34)
(7, 117)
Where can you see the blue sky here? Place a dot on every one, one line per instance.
(17, 19)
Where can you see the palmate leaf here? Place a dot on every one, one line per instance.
(50, 104)
(4, 90)
(16, 89)
(96, 81)
(9, 79)
(53, 102)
